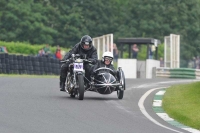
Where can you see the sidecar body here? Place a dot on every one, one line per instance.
(106, 81)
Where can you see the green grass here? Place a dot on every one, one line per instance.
(182, 102)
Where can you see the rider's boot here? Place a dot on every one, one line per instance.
(62, 84)
(92, 79)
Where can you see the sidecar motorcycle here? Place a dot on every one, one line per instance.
(104, 80)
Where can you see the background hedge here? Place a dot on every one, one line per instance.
(26, 48)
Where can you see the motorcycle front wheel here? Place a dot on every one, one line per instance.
(81, 89)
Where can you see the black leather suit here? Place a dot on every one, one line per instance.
(91, 54)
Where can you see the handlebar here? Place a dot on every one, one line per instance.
(85, 60)
(64, 61)
(77, 56)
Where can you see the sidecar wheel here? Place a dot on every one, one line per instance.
(120, 94)
(81, 89)
(123, 80)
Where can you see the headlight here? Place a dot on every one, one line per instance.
(79, 60)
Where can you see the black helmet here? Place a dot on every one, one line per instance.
(86, 40)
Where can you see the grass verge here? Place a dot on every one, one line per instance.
(182, 102)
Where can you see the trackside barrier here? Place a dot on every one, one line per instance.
(197, 74)
(103, 43)
(178, 73)
(183, 73)
(19, 64)
(162, 72)
(129, 67)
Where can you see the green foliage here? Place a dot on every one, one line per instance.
(142, 54)
(65, 22)
(25, 48)
(160, 51)
(125, 55)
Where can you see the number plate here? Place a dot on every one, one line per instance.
(78, 66)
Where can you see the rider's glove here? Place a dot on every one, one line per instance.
(69, 60)
(83, 56)
(93, 61)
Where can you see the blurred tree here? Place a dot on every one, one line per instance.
(65, 22)
(159, 18)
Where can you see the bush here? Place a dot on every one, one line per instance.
(26, 48)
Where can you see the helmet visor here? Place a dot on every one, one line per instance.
(108, 59)
(85, 43)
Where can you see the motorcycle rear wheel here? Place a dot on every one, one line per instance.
(72, 95)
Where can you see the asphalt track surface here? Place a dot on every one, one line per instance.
(35, 105)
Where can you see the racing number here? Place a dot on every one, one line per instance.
(79, 66)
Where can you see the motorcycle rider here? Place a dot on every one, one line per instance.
(84, 48)
(106, 61)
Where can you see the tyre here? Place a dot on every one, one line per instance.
(72, 95)
(7, 71)
(120, 91)
(6, 55)
(7, 61)
(14, 57)
(10, 57)
(81, 89)
(122, 79)
(2, 55)
(3, 61)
